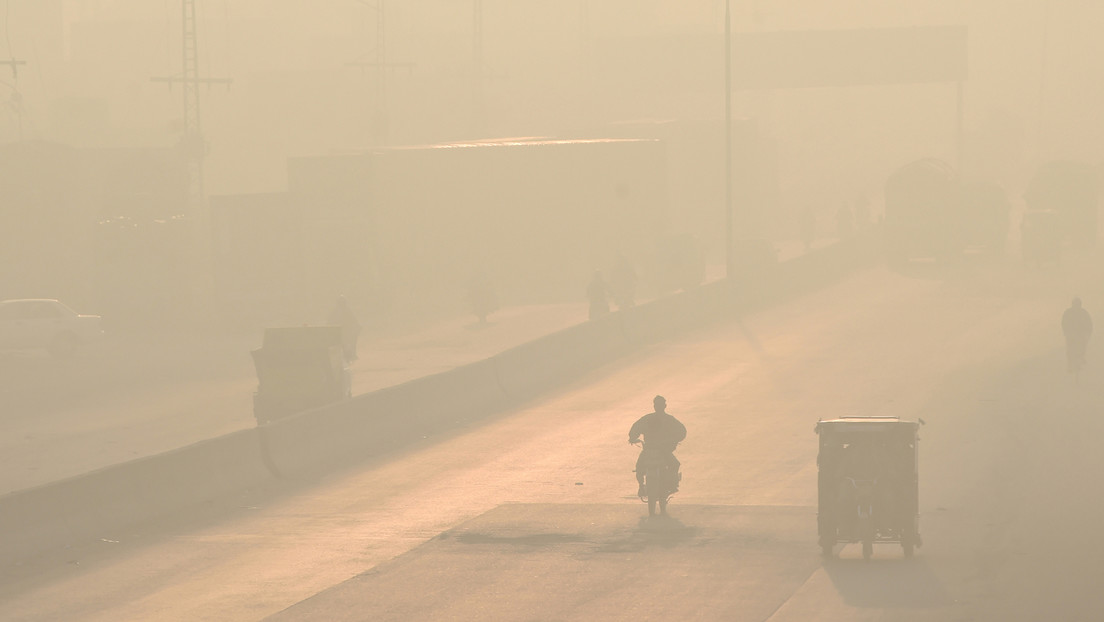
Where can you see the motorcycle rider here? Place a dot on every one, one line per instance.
(662, 433)
(1077, 327)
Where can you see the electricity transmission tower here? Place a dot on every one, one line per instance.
(194, 150)
(193, 143)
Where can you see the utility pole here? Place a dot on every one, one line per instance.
(1044, 44)
(586, 70)
(194, 148)
(728, 142)
(477, 68)
(380, 63)
(193, 143)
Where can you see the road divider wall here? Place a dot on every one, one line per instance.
(554, 359)
(102, 503)
(98, 504)
(381, 421)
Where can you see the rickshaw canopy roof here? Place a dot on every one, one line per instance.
(867, 425)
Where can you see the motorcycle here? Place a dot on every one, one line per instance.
(660, 482)
(1075, 357)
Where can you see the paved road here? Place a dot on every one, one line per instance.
(541, 524)
(587, 562)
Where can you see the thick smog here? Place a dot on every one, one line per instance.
(572, 310)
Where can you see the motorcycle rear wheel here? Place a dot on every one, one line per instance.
(653, 482)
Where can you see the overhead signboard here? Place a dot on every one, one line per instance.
(799, 59)
(786, 59)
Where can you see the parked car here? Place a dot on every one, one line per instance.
(42, 323)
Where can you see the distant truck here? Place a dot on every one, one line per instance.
(1070, 190)
(932, 214)
(409, 225)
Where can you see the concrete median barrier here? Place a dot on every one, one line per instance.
(664, 317)
(552, 360)
(382, 421)
(826, 266)
(102, 503)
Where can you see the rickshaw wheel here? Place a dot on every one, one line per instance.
(868, 549)
(907, 546)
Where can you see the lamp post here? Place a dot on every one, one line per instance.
(1041, 101)
(728, 141)
(477, 69)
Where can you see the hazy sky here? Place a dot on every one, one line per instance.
(88, 67)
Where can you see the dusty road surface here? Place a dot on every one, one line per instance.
(530, 515)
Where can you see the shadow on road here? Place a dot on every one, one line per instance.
(538, 539)
(887, 583)
(650, 532)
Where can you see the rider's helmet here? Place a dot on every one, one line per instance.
(659, 402)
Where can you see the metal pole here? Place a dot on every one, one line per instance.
(477, 70)
(383, 136)
(958, 128)
(1043, 45)
(728, 141)
(193, 120)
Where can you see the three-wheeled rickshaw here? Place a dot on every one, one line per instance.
(299, 368)
(867, 483)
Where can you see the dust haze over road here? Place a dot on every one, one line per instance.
(476, 185)
(1006, 457)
